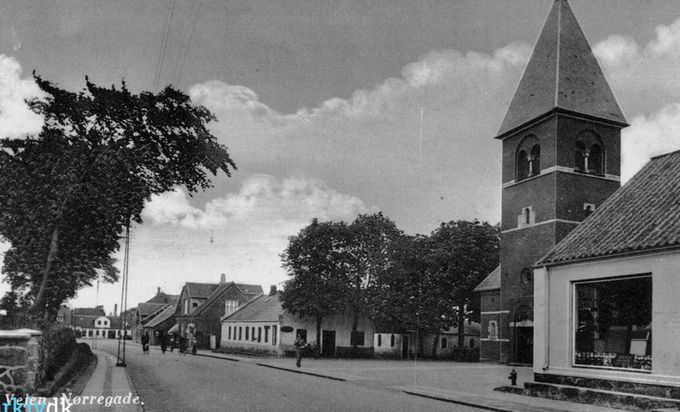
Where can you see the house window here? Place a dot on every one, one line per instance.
(247, 330)
(472, 343)
(527, 217)
(614, 323)
(240, 332)
(445, 343)
(357, 338)
(259, 334)
(229, 333)
(266, 334)
(580, 156)
(230, 306)
(589, 153)
(528, 158)
(392, 340)
(252, 333)
(379, 340)
(522, 165)
(589, 208)
(274, 335)
(535, 160)
(99, 322)
(301, 332)
(526, 276)
(194, 304)
(595, 159)
(492, 330)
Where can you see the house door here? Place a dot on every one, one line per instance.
(404, 347)
(328, 343)
(524, 335)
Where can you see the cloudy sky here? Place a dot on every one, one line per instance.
(329, 109)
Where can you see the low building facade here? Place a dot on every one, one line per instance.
(264, 326)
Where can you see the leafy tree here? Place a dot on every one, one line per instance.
(67, 194)
(316, 259)
(372, 243)
(460, 255)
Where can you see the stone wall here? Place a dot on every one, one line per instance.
(20, 361)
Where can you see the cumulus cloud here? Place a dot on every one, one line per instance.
(650, 136)
(645, 78)
(16, 119)
(262, 199)
(420, 141)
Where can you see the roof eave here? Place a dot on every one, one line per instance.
(559, 110)
(628, 253)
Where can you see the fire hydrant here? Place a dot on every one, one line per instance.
(513, 378)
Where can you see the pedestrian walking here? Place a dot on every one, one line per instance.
(145, 343)
(163, 338)
(300, 345)
(182, 345)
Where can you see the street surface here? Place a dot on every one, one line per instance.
(173, 382)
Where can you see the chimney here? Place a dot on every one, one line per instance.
(115, 309)
(159, 291)
(272, 290)
(223, 279)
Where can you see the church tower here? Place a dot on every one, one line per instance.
(561, 160)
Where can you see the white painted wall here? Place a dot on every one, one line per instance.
(554, 315)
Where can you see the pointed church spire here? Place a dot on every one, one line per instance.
(562, 75)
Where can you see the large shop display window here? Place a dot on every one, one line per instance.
(614, 323)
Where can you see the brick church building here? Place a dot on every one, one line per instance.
(561, 161)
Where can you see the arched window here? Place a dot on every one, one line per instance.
(379, 340)
(589, 153)
(528, 158)
(535, 160)
(522, 165)
(392, 340)
(595, 159)
(445, 343)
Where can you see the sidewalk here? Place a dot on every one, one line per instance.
(469, 384)
(107, 383)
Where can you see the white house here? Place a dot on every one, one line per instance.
(262, 325)
(607, 312)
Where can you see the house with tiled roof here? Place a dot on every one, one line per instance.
(262, 325)
(201, 305)
(94, 323)
(146, 311)
(607, 311)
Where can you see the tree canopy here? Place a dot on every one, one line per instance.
(316, 259)
(67, 194)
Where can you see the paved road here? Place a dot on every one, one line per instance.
(172, 382)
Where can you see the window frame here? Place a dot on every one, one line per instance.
(573, 324)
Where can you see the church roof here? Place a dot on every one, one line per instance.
(491, 282)
(642, 216)
(562, 74)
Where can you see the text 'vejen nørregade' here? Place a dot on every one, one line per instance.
(65, 402)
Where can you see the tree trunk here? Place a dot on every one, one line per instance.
(39, 304)
(461, 326)
(435, 344)
(318, 337)
(355, 325)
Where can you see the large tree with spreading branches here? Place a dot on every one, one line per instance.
(68, 193)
